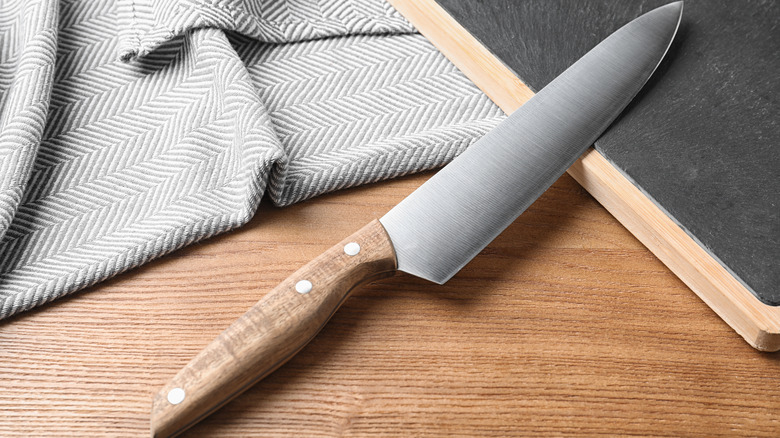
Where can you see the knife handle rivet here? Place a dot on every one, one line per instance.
(303, 286)
(352, 248)
(175, 396)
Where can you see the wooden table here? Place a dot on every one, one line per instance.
(564, 325)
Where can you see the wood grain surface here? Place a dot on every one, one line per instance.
(565, 325)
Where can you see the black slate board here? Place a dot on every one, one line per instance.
(702, 140)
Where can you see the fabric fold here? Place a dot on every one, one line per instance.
(153, 22)
(364, 108)
(28, 32)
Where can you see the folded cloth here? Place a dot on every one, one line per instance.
(121, 143)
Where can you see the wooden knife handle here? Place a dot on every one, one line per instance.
(272, 331)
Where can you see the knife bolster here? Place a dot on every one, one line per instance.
(272, 331)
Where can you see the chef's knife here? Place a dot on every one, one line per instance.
(435, 231)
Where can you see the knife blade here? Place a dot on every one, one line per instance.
(437, 229)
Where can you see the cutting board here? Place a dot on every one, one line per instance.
(692, 167)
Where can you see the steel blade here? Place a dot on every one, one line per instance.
(448, 220)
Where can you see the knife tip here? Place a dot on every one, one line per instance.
(675, 6)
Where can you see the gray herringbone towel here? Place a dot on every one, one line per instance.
(130, 128)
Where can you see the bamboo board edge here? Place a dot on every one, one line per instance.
(756, 322)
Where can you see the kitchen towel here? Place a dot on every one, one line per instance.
(130, 128)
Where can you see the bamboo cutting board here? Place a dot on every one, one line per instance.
(725, 250)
